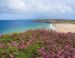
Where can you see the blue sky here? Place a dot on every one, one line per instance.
(37, 9)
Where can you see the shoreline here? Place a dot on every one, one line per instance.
(64, 27)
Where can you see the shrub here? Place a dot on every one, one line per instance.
(38, 44)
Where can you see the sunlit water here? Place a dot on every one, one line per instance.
(11, 26)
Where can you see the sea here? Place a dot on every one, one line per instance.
(12, 26)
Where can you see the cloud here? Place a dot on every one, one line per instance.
(22, 6)
(37, 8)
(17, 5)
(63, 8)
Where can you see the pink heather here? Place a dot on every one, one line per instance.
(14, 43)
(11, 56)
(22, 46)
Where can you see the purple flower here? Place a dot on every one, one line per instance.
(1, 46)
(11, 55)
(22, 46)
(41, 50)
(14, 43)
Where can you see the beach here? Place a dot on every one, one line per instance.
(64, 27)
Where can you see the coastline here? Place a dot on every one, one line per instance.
(65, 27)
(60, 25)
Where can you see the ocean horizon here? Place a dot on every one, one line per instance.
(12, 26)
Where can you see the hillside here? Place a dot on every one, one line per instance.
(38, 44)
(54, 21)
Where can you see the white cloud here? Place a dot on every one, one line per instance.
(18, 5)
(39, 6)
(63, 8)
(21, 5)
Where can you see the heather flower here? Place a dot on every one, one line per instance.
(14, 43)
(41, 50)
(69, 35)
(22, 46)
(60, 56)
(73, 55)
(1, 35)
(54, 44)
(67, 46)
(11, 55)
(45, 54)
(1, 46)
(31, 41)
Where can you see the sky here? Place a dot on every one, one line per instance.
(37, 9)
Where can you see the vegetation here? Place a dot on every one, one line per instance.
(55, 21)
(38, 44)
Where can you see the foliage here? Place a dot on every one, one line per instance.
(38, 44)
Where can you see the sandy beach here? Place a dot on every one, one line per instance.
(64, 27)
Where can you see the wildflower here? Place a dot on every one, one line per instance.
(11, 55)
(22, 46)
(31, 41)
(1, 46)
(41, 50)
(1, 35)
(14, 43)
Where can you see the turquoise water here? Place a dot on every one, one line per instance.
(11, 26)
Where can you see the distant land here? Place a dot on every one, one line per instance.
(54, 21)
